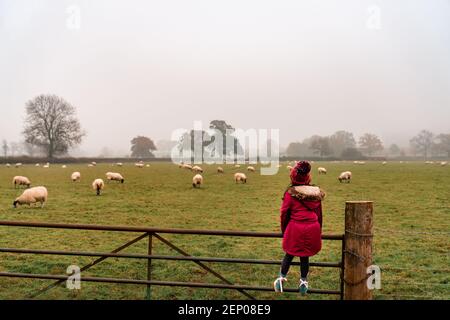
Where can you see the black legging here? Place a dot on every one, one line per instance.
(304, 265)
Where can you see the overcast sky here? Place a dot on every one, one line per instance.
(304, 67)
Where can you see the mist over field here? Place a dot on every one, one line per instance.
(151, 67)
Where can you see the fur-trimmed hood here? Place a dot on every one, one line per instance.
(307, 193)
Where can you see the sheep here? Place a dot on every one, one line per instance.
(197, 180)
(18, 165)
(197, 169)
(240, 177)
(384, 163)
(98, 185)
(147, 166)
(187, 166)
(443, 163)
(76, 176)
(345, 176)
(114, 176)
(31, 196)
(90, 165)
(8, 165)
(37, 165)
(139, 165)
(94, 163)
(119, 164)
(64, 166)
(21, 181)
(46, 166)
(237, 166)
(322, 170)
(250, 169)
(220, 170)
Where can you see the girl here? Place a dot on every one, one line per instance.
(301, 224)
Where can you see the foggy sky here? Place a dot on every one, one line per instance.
(304, 67)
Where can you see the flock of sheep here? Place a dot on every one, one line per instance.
(40, 194)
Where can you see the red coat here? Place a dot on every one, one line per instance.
(302, 228)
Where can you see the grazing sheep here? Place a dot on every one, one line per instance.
(322, 170)
(114, 176)
(90, 165)
(8, 165)
(21, 181)
(237, 166)
(94, 163)
(384, 163)
(197, 169)
(220, 170)
(32, 196)
(187, 166)
(197, 180)
(18, 165)
(345, 176)
(119, 164)
(251, 169)
(443, 163)
(46, 166)
(98, 185)
(240, 177)
(76, 176)
(139, 165)
(37, 165)
(64, 166)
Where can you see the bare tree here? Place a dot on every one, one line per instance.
(370, 143)
(5, 148)
(443, 143)
(423, 142)
(51, 124)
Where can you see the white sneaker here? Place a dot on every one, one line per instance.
(278, 284)
(303, 287)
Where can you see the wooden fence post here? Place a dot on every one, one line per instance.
(358, 249)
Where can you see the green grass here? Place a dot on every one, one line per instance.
(411, 219)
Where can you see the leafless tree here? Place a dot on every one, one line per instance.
(51, 124)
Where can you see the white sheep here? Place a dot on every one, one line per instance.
(8, 165)
(187, 166)
(443, 163)
(240, 177)
(119, 164)
(76, 176)
(98, 185)
(47, 165)
(90, 165)
(94, 163)
(197, 180)
(18, 165)
(21, 181)
(37, 165)
(139, 165)
(345, 176)
(114, 176)
(64, 166)
(32, 196)
(220, 170)
(197, 169)
(251, 169)
(384, 163)
(322, 170)
(237, 166)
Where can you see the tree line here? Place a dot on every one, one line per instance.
(342, 144)
(52, 128)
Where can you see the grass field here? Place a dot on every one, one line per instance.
(411, 224)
